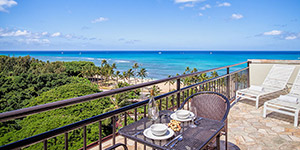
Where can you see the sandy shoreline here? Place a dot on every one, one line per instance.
(165, 87)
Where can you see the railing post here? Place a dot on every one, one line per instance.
(84, 137)
(248, 73)
(114, 130)
(228, 84)
(45, 145)
(100, 135)
(178, 94)
(66, 141)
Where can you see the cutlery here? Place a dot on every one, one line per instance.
(197, 121)
(172, 140)
(138, 133)
(178, 140)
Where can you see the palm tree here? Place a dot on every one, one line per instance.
(129, 74)
(124, 76)
(156, 90)
(103, 62)
(171, 82)
(142, 74)
(214, 74)
(194, 78)
(135, 67)
(187, 70)
(118, 101)
(203, 77)
(117, 75)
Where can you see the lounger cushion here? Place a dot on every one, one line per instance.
(256, 88)
(288, 98)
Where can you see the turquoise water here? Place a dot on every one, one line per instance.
(160, 64)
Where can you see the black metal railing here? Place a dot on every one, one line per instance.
(227, 84)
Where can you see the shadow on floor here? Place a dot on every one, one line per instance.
(231, 146)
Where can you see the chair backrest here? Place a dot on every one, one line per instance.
(208, 104)
(278, 76)
(296, 85)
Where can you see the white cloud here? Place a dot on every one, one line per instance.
(189, 5)
(29, 37)
(6, 4)
(200, 14)
(44, 33)
(205, 7)
(34, 41)
(292, 37)
(186, 1)
(68, 36)
(21, 33)
(237, 16)
(273, 32)
(100, 19)
(56, 34)
(225, 4)
(5, 33)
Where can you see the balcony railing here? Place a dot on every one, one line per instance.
(227, 84)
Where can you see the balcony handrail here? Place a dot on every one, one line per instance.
(67, 128)
(63, 103)
(215, 78)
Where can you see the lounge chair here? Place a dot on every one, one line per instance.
(286, 104)
(275, 81)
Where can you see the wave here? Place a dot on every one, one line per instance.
(121, 61)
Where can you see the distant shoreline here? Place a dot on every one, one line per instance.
(159, 64)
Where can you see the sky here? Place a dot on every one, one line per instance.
(149, 25)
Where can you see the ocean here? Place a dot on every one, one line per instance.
(160, 64)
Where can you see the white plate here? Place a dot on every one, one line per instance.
(149, 134)
(174, 117)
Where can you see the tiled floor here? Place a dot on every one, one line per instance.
(249, 130)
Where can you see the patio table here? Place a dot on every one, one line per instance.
(193, 138)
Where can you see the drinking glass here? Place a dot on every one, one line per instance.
(153, 111)
(193, 125)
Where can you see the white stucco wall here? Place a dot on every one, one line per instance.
(260, 68)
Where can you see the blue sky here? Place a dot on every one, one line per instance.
(150, 25)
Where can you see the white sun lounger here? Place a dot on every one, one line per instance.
(275, 81)
(290, 107)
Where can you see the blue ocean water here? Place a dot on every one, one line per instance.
(160, 64)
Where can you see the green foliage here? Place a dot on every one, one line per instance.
(26, 82)
(75, 68)
(49, 120)
(121, 100)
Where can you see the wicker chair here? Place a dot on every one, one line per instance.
(210, 105)
(117, 145)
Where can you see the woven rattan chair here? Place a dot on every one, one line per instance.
(117, 145)
(210, 105)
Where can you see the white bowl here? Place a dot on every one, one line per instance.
(182, 114)
(159, 129)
